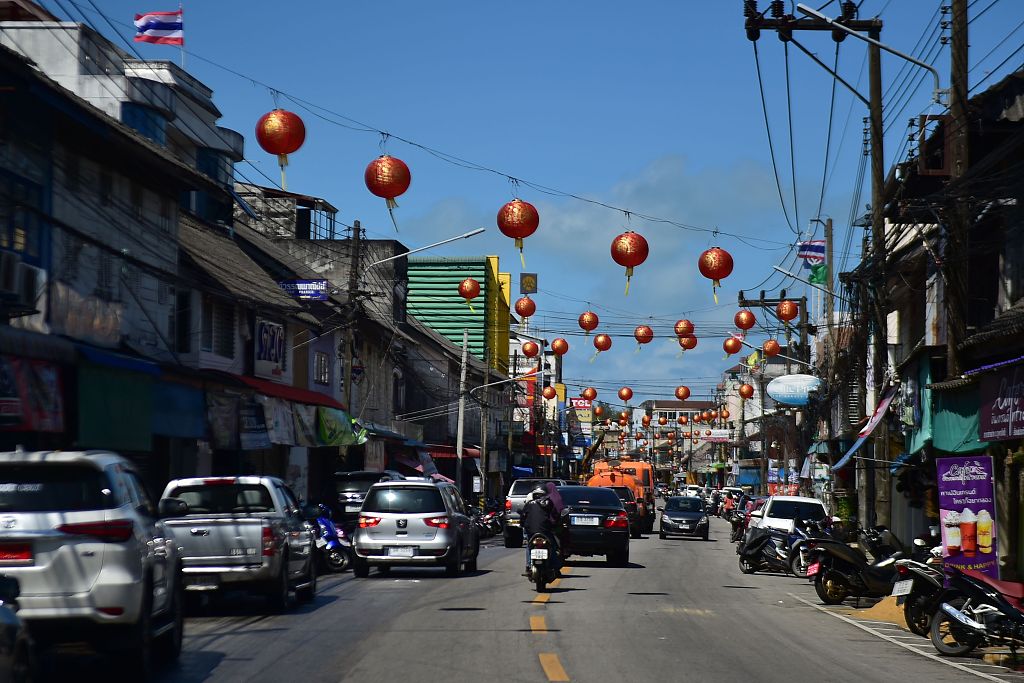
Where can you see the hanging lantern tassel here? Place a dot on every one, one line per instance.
(282, 161)
(468, 302)
(519, 246)
(392, 205)
(629, 274)
(715, 284)
(594, 357)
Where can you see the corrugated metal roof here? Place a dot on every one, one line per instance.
(434, 298)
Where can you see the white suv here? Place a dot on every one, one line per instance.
(780, 512)
(82, 538)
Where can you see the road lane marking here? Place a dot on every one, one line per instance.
(556, 583)
(542, 598)
(552, 667)
(690, 611)
(566, 570)
(538, 625)
(892, 640)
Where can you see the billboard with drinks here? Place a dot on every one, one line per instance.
(967, 513)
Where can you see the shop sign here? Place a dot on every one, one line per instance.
(1001, 416)
(30, 395)
(270, 350)
(967, 513)
(306, 290)
(718, 436)
(793, 390)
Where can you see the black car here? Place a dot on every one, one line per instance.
(596, 523)
(348, 489)
(625, 494)
(684, 515)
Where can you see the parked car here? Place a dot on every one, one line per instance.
(684, 516)
(244, 532)
(414, 523)
(18, 663)
(347, 490)
(781, 512)
(514, 501)
(596, 523)
(93, 560)
(625, 495)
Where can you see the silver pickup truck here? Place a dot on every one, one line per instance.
(244, 532)
(514, 502)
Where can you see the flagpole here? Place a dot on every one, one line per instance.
(181, 11)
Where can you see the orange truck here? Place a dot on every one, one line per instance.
(643, 473)
(629, 492)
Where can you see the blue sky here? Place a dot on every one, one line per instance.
(651, 107)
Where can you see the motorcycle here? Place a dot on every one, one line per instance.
(334, 544)
(840, 571)
(762, 550)
(542, 568)
(976, 610)
(736, 519)
(918, 588)
(799, 547)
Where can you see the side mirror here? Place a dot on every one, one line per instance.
(171, 507)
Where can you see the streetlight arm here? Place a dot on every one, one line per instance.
(463, 236)
(937, 94)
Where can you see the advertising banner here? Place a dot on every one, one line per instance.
(1001, 416)
(252, 427)
(269, 351)
(967, 513)
(222, 414)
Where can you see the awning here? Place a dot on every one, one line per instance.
(117, 360)
(27, 344)
(818, 448)
(383, 433)
(876, 417)
(288, 392)
(440, 451)
(748, 476)
(180, 410)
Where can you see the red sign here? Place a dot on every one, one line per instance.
(30, 396)
(1001, 414)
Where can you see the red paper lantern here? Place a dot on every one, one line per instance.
(683, 419)
(549, 393)
(622, 423)
(683, 328)
(732, 345)
(682, 393)
(625, 393)
(518, 220)
(663, 420)
(643, 334)
(686, 435)
(746, 391)
(531, 349)
(590, 393)
(715, 264)
(670, 436)
(598, 411)
(714, 415)
(646, 420)
(688, 341)
(698, 418)
(629, 250)
(388, 177)
(725, 413)
(280, 132)
(588, 321)
(745, 320)
(787, 310)
(706, 415)
(771, 348)
(707, 432)
(469, 289)
(525, 307)
(559, 347)
(602, 342)
(623, 415)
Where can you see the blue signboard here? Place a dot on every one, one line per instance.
(306, 290)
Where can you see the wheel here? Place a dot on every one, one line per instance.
(454, 564)
(137, 658)
(336, 560)
(471, 562)
(950, 637)
(830, 587)
(539, 583)
(662, 535)
(797, 566)
(359, 568)
(169, 644)
(307, 593)
(915, 611)
(746, 567)
(705, 536)
(277, 592)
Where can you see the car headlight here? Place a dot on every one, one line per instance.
(703, 520)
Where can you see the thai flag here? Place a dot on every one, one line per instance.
(159, 27)
(812, 251)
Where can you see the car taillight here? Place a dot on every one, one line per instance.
(15, 553)
(619, 521)
(437, 522)
(902, 570)
(508, 504)
(269, 547)
(114, 531)
(365, 521)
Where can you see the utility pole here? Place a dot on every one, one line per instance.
(483, 428)
(461, 425)
(350, 303)
(958, 232)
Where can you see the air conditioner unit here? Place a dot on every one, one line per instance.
(32, 283)
(10, 282)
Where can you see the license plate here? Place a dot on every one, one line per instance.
(320, 543)
(400, 551)
(902, 587)
(539, 554)
(512, 522)
(585, 520)
(201, 580)
(353, 507)
(813, 569)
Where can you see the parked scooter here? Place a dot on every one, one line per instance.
(918, 588)
(976, 610)
(737, 519)
(762, 551)
(840, 571)
(542, 569)
(334, 544)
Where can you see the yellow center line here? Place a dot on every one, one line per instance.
(538, 625)
(566, 570)
(555, 583)
(542, 598)
(553, 667)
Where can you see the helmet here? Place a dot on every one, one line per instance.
(537, 493)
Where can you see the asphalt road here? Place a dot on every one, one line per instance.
(680, 611)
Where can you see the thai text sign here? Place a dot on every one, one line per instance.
(1001, 416)
(270, 349)
(967, 513)
(306, 290)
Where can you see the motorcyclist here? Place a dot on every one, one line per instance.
(539, 516)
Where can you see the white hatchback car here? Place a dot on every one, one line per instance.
(84, 541)
(780, 512)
